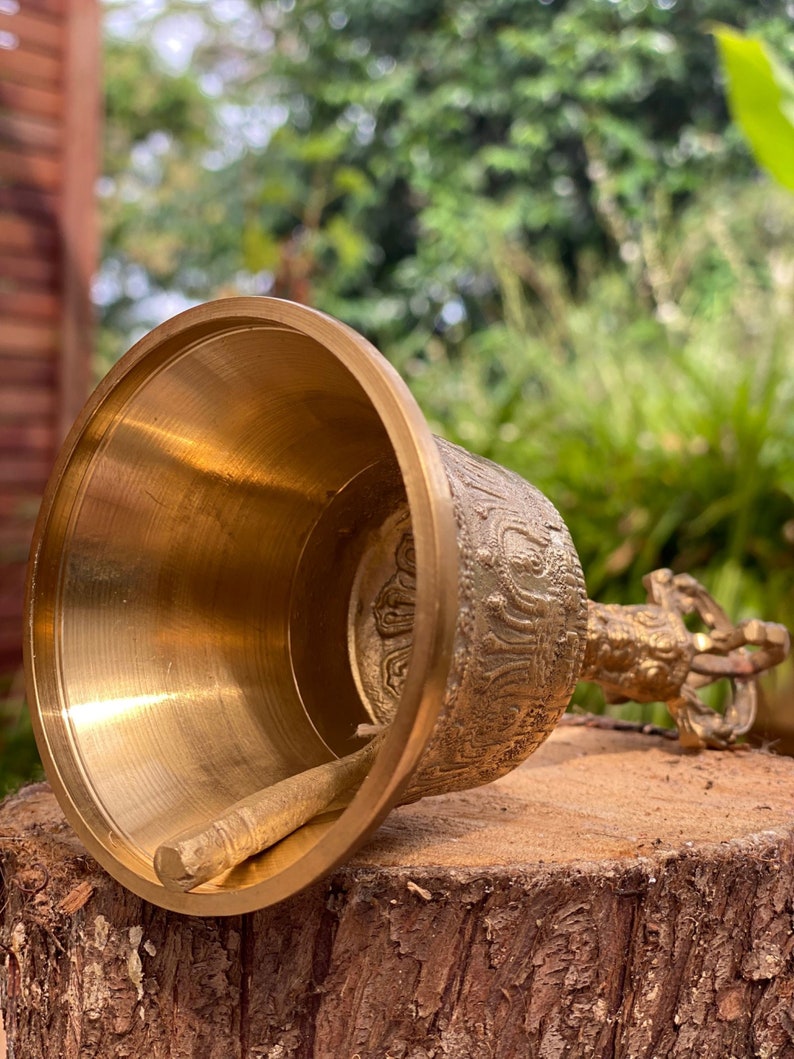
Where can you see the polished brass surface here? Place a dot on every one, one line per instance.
(645, 653)
(166, 589)
(251, 559)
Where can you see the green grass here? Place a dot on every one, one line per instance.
(19, 759)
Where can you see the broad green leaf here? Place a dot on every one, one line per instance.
(761, 100)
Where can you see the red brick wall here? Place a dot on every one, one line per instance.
(49, 127)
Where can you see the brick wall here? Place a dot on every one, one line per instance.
(49, 128)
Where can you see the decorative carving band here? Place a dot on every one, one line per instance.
(521, 629)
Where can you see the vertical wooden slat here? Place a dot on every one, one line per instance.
(35, 30)
(78, 213)
(49, 132)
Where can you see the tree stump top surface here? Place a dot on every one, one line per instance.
(587, 795)
(593, 795)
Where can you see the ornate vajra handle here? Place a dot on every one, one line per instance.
(646, 653)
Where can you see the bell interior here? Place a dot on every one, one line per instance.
(191, 632)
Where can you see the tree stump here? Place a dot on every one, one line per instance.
(615, 896)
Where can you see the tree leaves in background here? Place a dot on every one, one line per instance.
(361, 138)
(761, 100)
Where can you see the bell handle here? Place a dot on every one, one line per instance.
(646, 653)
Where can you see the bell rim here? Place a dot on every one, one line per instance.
(430, 503)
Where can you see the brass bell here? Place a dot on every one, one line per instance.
(253, 560)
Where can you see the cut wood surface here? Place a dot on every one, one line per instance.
(614, 897)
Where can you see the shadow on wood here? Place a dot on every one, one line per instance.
(615, 896)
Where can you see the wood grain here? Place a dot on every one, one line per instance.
(614, 897)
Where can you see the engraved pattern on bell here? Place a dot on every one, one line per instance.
(520, 637)
(521, 630)
(520, 634)
(394, 616)
(382, 608)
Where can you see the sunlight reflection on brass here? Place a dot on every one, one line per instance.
(104, 711)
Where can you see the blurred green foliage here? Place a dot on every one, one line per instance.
(342, 146)
(541, 212)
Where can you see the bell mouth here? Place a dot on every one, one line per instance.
(193, 585)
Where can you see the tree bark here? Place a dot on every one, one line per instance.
(614, 897)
